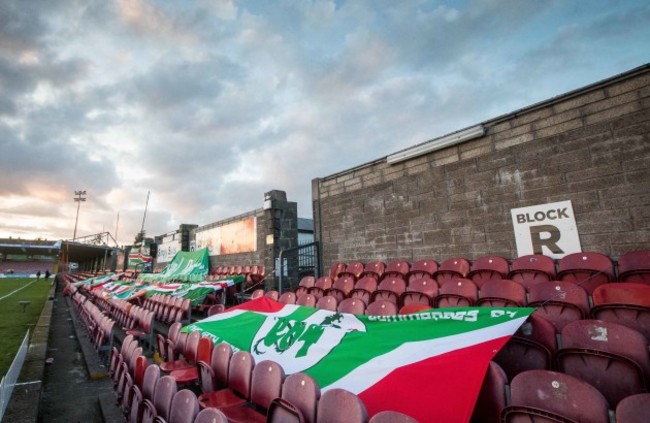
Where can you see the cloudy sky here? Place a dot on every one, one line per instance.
(209, 104)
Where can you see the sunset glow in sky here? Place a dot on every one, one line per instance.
(209, 104)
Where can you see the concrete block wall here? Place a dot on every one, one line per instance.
(590, 146)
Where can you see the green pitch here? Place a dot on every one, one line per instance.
(14, 322)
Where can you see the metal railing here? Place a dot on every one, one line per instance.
(9, 380)
(294, 263)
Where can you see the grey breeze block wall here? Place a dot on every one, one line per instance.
(590, 146)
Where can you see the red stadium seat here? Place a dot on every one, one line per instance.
(398, 268)
(287, 298)
(184, 407)
(341, 287)
(488, 268)
(390, 289)
(633, 409)
(538, 396)
(422, 269)
(321, 285)
(352, 306)
(626, 303)
(391, 417)
(502, 293)
(335, 269)
(420, 290)
(374, 269)
(611, 357)
(327, 302)
(210, 415)
(304, 285)
(162, 399)
(306, 300)
(353, 269)
(634, 266)
(298, 403)
(381, 308)
(364, 289)
(453, 268)
(559, 302)
(457, 293)
(338, 405)
(239, 384)
(587, 269)
(532, 269)
(492, 398)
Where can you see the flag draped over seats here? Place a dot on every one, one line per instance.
(428, 365)
(188, 266)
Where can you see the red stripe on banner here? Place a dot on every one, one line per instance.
(262, 305)
(446, 386)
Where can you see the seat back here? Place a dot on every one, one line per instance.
(220, 363)
(488, 268)
(266, 383)
(611, 357)
(239, 373)
(627, 303)
(338, 405)
(381, 308)
(452, 268)
(210, 415)
(327, 302)
(306, 300)
(559, 302)
(352, 306)
(399, 268)
(421, 269)
(374, 269)
(532, 269)
(572, 398)
(163, 395)
(502, 293)
(287, 298)
(633, 409)
(391, 417)
(587, 269)
(634, 266)
(303, 392)
(363, 289)
(184, 407)
(457, 292)
(335, 269)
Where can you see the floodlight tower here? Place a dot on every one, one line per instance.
(78, 199)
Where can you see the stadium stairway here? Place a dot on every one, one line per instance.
(62, 374)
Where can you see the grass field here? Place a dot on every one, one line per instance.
(13, 321)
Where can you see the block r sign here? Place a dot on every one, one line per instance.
(548, 229)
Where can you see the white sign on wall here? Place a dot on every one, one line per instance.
(548, 229)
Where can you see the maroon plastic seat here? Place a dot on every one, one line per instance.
(266, 384)
(452, 268)
(364, 288)
(488, 268)
(633, 409)
(634, 266)
(390, 289)
(299, 400)
(413, 308)
(559, 302)
(138, 395)
(338, 405)
(210, 415)
(420, 290)
(305, 283)
(328, 302)
(335, 269)
(341, 287)
(611, 357)
(321, 285)
(190, 375)
(397, 268)
(532, 347)
(626, 303)
(391, 417)
(272, 294)
(239, 383)
(457, 293)
(374, 269)
(492, 398)
(542, 396)
(213, 375)
(502, 293)
(353, 269)
(161, 402)
(184, 408)
(287, 298)
(189, 354)
(352, 306)
(532, 269)
(587, 269)
(307, 300)
(422, 269)
(381, 308)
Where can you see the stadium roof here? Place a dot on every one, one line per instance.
(76, 251)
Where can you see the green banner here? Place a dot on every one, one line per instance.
(187, 266)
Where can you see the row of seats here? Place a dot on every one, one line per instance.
(98, 325)
(246, 391)
(253, 274)
(590, 269)
(169, 309)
